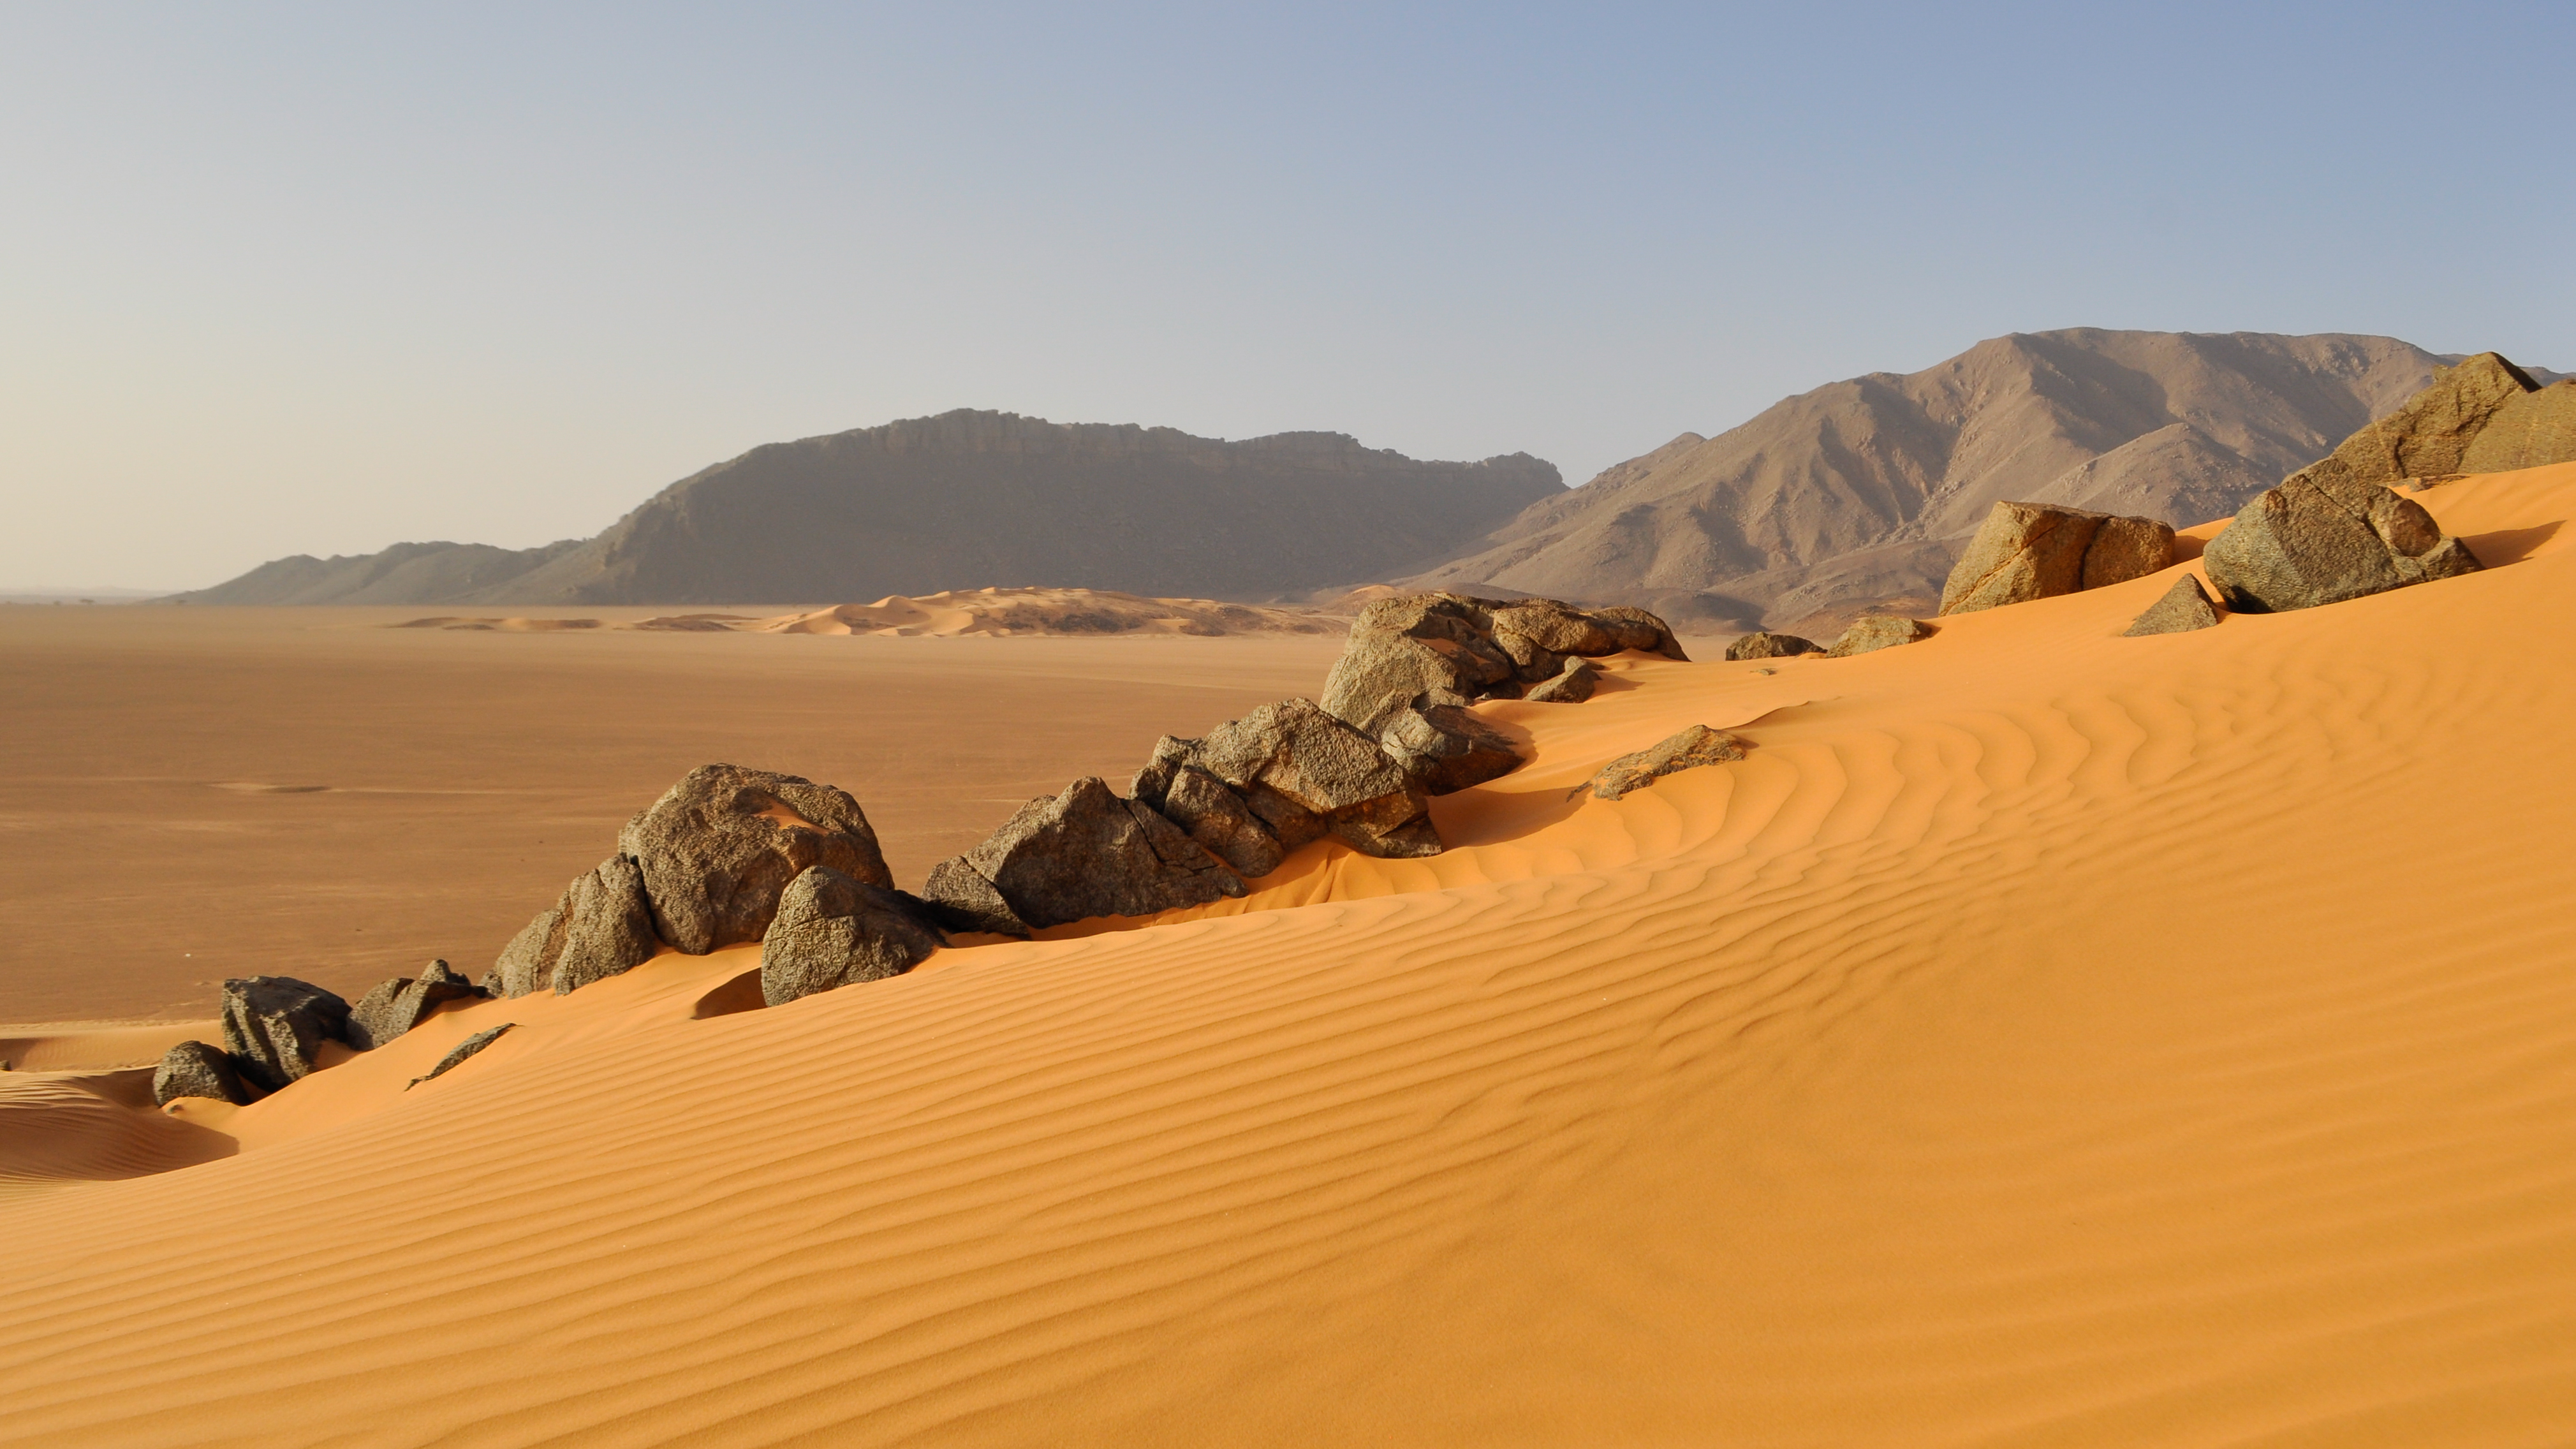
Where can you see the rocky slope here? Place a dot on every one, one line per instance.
(965, 500)
(1862, 493)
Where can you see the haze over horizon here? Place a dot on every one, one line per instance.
(286, 279)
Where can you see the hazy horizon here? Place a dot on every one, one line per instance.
(290, 280)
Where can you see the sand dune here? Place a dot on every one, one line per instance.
(1014, 611)
(2043, 1037)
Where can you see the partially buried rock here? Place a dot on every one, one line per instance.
(1221, 821)
(2324, 536)
(2436, 431)
(2026, 551)
(1771, 646)
(1085, 853)
(601, 926)
(194, 1069)
(398, 1005)
(1572, 686)
(1444, 748)
(1874, 632)
(274, 1027)
(1307, 774)
(458, 1053)
(1428, 648)
(2528, 431)
(2185, 607)
(1699, 745)
(718, 848)
(832, 930)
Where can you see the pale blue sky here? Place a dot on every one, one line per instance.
(281, 279)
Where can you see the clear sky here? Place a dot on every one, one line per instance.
(315, 279)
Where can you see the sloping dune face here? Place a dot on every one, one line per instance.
(2043, 1037)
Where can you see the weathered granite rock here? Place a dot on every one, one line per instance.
(833, 931)
(274, 1027)
(720, 845)
(958, 898)
(1872, 632)
(1444, 748)
(194, 1069)
(398, 1005)
(2026, 551)
(1771, 646)
(1307, 774)
(2185, 607)
(1086, 853)
(1151, 782)
(1699, 745)
(2528, 431)
(458, 1053)
(608, 925)
(2326, 535)
(1434, 649)
(528, 962)
(1572, 685)
(1221, 821)
(2433, 433)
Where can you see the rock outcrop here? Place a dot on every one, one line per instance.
(2326, 535)
(1872, 632)
(718, 848)
(458, 1053)
(601, 926)
(2185, 607)
(194, 1069)
(1220, 820)
(1432, 649)
(1085, 853)
(1307, 775)
(398, 1005)
(1572, 685)
(1765, 645)
(2026, 551)
(832, 930)
(274, 1027)
(1699, 745)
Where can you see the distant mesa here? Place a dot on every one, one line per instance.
(968, 498)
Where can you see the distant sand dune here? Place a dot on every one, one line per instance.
(1006, 611)
(2043, 1037)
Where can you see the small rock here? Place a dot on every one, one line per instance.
(2026, 551)
(833, 931)
(1572, 686)
(194, 1069)
(2324, 536)
(2185, 607)
(1083, 854)
(1873, 632)
(458, 1053)
(1699, 745)
(275, 1025)
(958, 898)
(398, 1005)
(1772, 646)
(719, 846)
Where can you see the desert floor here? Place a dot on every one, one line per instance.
(2043, 1038)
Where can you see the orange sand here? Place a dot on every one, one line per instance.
(2043, 1038)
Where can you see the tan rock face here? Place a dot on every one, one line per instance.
(2028, 551)
(2528, 431)
(2432, 434)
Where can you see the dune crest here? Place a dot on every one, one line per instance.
(2040, 1036)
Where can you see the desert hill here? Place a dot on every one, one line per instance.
(965, 500)
(1862, 492)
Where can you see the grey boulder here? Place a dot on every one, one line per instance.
(833, 930)
(2324, 536)
(1771, 646)
(1085, 853)
(2026, 551)
(2185, 607)
(2528, 431)
(274, 1027)
(194, 1069)
(601, 926)
(1572, 685)
(1689, 750)
(1307, 774)
(1444, 748)
(958, 898)
(1872, 632)
(1221, 821)
(398, 1005)
(2436, 432)
(718, 848)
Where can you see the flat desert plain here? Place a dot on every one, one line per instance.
(2043, 1037)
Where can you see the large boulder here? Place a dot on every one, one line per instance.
(2185, 607)
(1872, 632)
(398, 1005)
(1771, 646)
(718, 848)
(1689, 750)
(1307, 774)
(194, 1069)
(2027, 551)
(274, 1027)
(1087, 852)
(2325, 535)
(2528, 431)
(832, 930)
(2434, 433)
(601, 926)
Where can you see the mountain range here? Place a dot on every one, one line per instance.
(1856, 495)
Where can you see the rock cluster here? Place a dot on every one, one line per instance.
(2027, 551)
(274, 1028)
(1699, 745)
